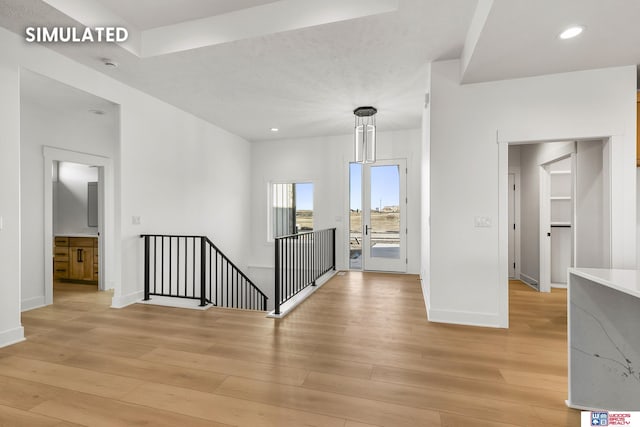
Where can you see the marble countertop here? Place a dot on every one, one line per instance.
(626, 281)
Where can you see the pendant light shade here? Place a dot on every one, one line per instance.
(365, 134)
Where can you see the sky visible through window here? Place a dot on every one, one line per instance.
(385, 186)
(304, 196)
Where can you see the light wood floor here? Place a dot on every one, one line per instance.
(358, 353)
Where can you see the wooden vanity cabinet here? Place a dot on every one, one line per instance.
(61, 258)
(76, 258)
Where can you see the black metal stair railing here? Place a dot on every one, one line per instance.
(193, 267)
(300, 259)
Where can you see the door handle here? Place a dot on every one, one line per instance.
(79, 253)
(366, 230)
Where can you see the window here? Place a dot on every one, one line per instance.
(291, 208)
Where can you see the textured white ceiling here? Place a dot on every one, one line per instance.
(146, 14)
(307, 82)
(49, 94)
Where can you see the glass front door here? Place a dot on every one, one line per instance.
(378, 230)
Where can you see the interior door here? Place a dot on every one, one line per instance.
(384, 224)
(556, 222)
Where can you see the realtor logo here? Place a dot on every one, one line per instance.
(599, 418)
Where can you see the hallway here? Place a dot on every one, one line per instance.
(359, 352)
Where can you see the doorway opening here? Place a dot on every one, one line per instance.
(76, 228)
(563, 206)
(78, 223)
(377, 216)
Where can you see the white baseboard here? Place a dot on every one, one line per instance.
(295, 301)
(125, 300)
(559, 285)
(260, 267)
(528, 280)
(32, 303)
(11, 336)
(191, 304)
(469, 318)
(423, 285)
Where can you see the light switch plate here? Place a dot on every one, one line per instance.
(483, 222)
(135, 220)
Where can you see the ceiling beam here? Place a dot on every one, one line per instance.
(270, 18)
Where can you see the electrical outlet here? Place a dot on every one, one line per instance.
(135, 220)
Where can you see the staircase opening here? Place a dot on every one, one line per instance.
(192, 267)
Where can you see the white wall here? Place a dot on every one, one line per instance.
(324, 161)
(178, 172)
(181, 175)
(591, 202)
(10, 327)
(70, 215)
(42, 125)
(425, 172)
(468, 264)
(514, 156)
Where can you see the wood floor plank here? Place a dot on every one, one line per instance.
(196, 379)
(32, 349)
(342, 406)
(535, 379)
(225, 409)
(359, 353)
(455, 384)
(558, 417)
(98, 412)
(114, 346)
(357, 424)
(23, 394)
(110, 386)
(459, 404)
(449, 420)
(409, 360)
(261, 371)
(282, 357)
(12, 417)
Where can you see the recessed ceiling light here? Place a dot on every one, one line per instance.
(97, 112)
(571, 32)
(109, 63)
(275, 129)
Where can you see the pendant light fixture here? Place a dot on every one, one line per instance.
(365, 134)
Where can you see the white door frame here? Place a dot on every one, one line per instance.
(503, 140)
(515, 171)
(403, 213)
(106, 215)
